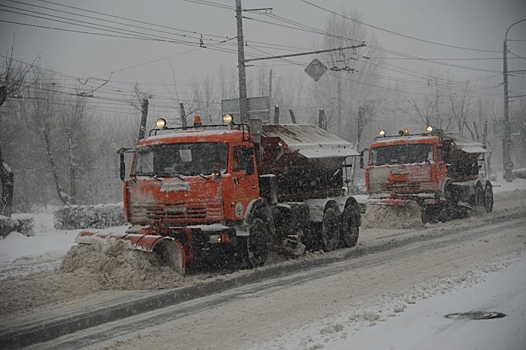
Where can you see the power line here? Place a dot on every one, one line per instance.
(212, 4)
(60, 19)
(395, 33)
(134, 20)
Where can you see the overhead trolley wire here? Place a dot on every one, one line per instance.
(399, 34)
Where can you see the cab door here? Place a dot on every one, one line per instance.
(245, 182)
(441, 168)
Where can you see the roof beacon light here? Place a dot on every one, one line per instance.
(403, 132)
(197, 121)
(382, 132)
(161, 123)
(227, 119)
(429, 128)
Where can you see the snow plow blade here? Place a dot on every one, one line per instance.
(169, 251)
(393, 214)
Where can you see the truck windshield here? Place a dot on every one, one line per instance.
(401, 154)
(190, 159)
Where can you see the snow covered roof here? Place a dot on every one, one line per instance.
(310, 141)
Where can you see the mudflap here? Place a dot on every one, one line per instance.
(169, 251)
(393, 214)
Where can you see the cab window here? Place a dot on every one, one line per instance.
(243, 159)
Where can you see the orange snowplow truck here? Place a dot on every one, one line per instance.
(212, 193)
(436, 172)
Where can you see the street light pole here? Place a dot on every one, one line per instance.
(506, 141)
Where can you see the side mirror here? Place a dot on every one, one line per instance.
(122, 167)
(250, 167)
(362, 152)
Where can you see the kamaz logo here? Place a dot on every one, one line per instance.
(400, 184)
(179, 209)
(400, 171)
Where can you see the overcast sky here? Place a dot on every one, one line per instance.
(426, 29)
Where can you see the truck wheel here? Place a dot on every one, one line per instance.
(488, 197)
(257, 243)
(330, 230)
(477, 199)
(311, 234)
(350, 228)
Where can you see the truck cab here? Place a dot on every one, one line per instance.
(437, 170)
(406, 166)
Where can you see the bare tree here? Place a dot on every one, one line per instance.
(74, 126)
(461, 109)
(12, 77)
(428, 111)
(351, 84)
(60, 123)
(43, 115)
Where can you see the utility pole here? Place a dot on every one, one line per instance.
(322, 121)
(243, 103)
(339, 123)
(183, 116)
(292, 116)
(270, 88)
(506, 141)
(144, 116)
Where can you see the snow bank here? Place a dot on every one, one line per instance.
(90, 216)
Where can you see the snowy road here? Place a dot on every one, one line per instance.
(390, 274)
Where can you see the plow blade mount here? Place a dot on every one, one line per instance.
(393, 214)
(169, 251)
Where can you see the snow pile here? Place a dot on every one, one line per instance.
(116, 265)
(393, 216)
(88, 269)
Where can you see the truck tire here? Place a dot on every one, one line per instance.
(330, 230)
(488, 197)
(477, 199)
(350, 227)
(257, 243)
(311, 236)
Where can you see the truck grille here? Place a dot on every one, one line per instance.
(400, 187)
(406, 187)
(183, 212)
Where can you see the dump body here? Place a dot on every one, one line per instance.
(306, 160)
(437, 170)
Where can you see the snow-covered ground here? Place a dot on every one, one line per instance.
(419, 326)
(422, 324)
(21, 255)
